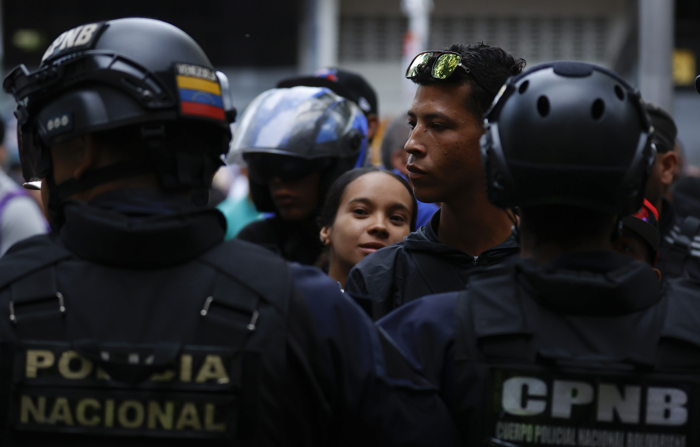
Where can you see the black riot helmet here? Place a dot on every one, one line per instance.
(134, 73)
(567, 133)
(290, 133)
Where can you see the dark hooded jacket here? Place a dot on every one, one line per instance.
(585, 320)
(146, 276)
(417, 266)
(294, 241)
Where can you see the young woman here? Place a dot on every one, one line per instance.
(365, 210)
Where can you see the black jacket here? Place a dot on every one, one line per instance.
(679, 250)
(417, 266)
(587, 348)
(294, 241)
(135, 325)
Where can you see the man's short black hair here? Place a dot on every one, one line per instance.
(491, 65)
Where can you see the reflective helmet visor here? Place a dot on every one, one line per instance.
(262, 168)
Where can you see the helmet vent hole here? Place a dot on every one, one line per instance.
(619, 93)
(598, 109)
(543, 106)
(523, 87)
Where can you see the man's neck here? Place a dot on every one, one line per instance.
(143, 181)
(474, 226)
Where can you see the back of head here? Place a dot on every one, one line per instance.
(395, 137)
(489, 67)
(293, 132)
(568, 133)
(143, 76)
(665, 130)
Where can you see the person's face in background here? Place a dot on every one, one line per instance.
(661, 177)
(399, 159)
(375, 211)
(295, 200)
(633, 245)
(444, 160)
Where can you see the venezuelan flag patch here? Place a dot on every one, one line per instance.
(200, 92)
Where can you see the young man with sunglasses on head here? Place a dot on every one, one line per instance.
(679, 219)
(573, 343)
(455, 89)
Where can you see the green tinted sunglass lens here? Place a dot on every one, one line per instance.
(445, 65)
(418, 61)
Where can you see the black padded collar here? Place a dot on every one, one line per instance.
(140, 229)
(591, 283)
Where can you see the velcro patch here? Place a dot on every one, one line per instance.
(58, 390)
(544, 408)
(81, 37)
(199, 91)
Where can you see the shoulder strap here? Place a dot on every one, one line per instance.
(681, 246)
(681, 324)
(490, 314)
(36, 307)
(250, 276)
(257, 269)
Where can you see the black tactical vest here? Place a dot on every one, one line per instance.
(529, 376)
(208, 377)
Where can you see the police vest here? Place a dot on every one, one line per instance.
(56, 386)
(529, 376)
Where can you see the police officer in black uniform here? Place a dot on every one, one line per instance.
(133, 323)
(680, 220)
(573, 344)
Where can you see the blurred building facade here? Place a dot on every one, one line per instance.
(259, 43)
(372, 32)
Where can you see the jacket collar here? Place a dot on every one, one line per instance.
(426, 239)
(592, 283)
(140, 229)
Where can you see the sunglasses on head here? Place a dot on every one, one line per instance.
(443, 66)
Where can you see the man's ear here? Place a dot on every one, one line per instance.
(658, 273)
(372, 125)
(87, 157)
(669, 161)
